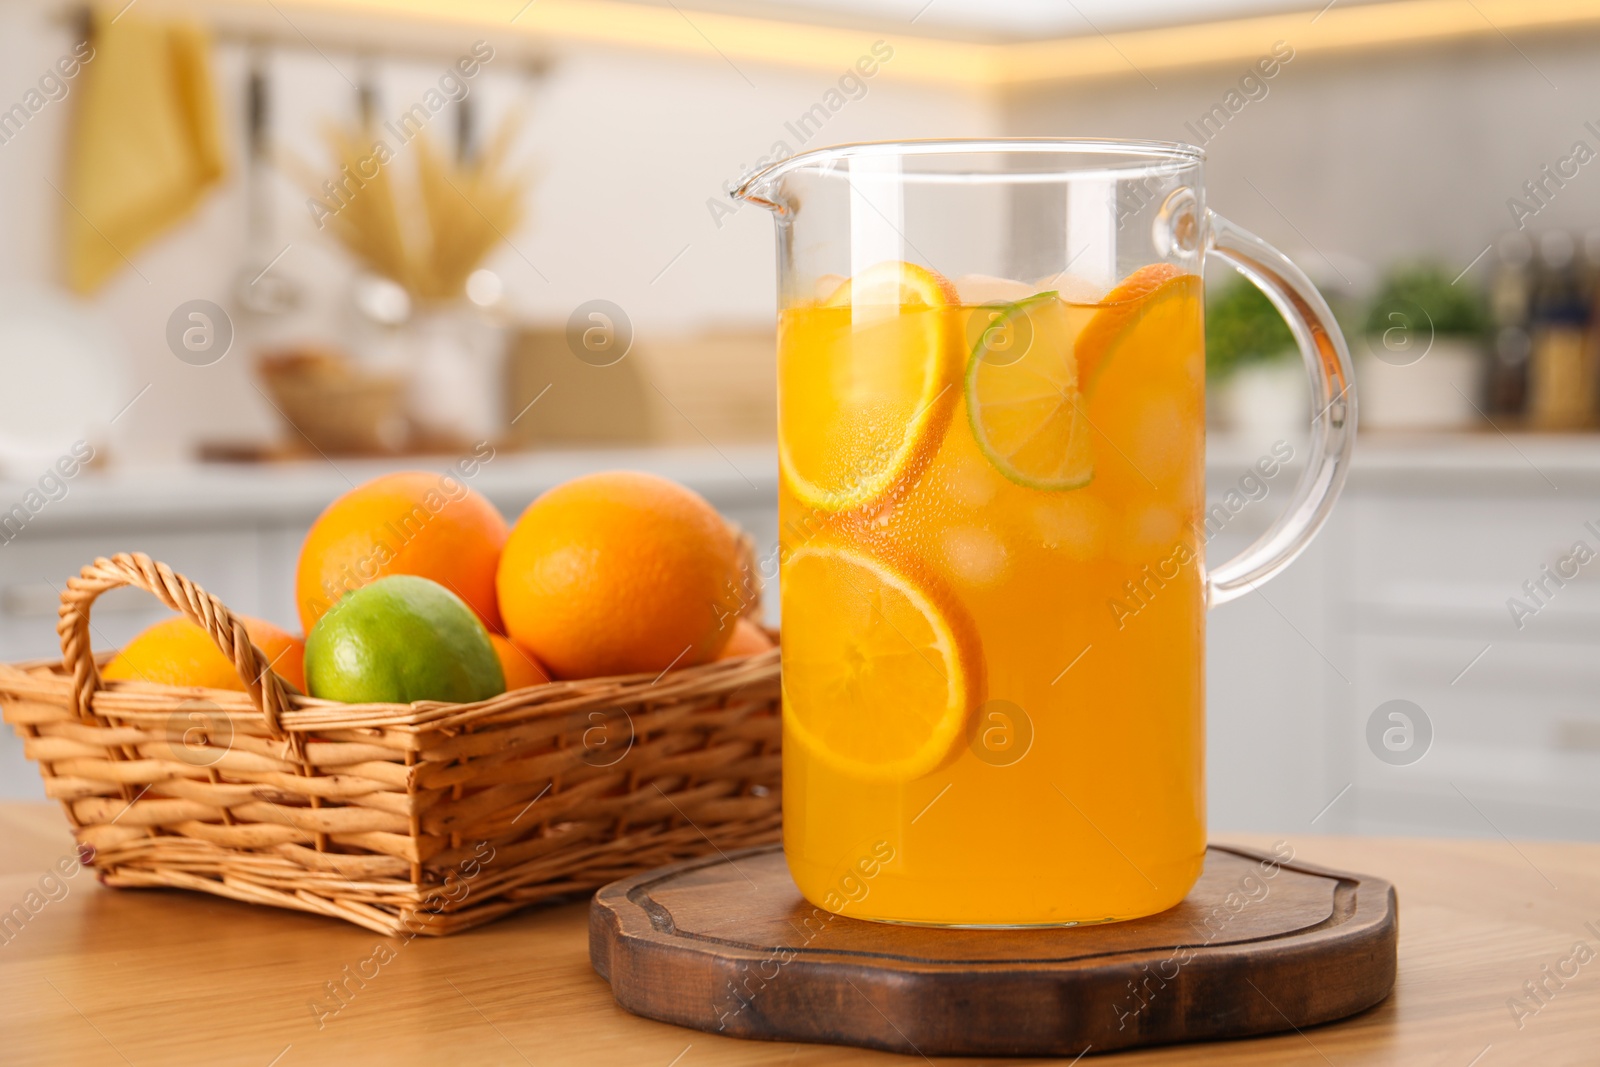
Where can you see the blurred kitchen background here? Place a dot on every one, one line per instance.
(550, 262)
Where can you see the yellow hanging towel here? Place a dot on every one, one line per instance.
(145, 142)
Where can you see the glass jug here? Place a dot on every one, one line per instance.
(991, 399)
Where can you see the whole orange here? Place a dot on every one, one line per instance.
(177, 652)
(618, 573)
(521, 667)
(412, 522)
(747, 640)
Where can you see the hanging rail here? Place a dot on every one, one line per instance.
(298, 29)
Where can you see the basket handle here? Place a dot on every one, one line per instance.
(265, 688)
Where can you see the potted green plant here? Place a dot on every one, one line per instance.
(1250, 361)
(1422, 359)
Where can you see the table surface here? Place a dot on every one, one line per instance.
(101, 976)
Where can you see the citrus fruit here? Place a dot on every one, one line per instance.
(863, 413)
(1022, 396)
(881, 666)
(747, 640)
(521, 667)
(619, 573)
(400, 639)
(411, 522)
(1122, 308)
(1147, 400)
(893, 284)
(175, 651)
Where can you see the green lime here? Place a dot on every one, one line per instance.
(400, 639)
(1022, 396)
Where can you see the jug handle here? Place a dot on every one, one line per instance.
(1333, 395)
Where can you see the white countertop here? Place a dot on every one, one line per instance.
(1453, 464)
(742, 475)
(300, 490)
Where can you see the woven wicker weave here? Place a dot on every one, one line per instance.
(422, 818)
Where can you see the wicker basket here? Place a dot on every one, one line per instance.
(422, 818)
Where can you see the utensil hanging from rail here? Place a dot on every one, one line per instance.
(263, 286)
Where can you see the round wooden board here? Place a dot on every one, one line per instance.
(726, 944)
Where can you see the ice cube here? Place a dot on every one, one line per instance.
(970, 480)
(1150, 533)
(1073, 288)
(973, 555)
(827, 285)
(1074, 524)
(976, 289)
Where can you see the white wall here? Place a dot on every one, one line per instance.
(1348, 162)
(628, 148)
(1367, 157)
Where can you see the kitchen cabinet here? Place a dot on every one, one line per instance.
(1404, 598)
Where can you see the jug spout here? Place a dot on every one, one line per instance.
(859, 165)
(760, 189)
(766, 187)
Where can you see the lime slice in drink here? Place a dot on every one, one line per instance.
(1022, 395)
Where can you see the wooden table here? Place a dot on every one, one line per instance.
(102, 976)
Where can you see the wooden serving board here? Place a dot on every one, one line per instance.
(726, 944)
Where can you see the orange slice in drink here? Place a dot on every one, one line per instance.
(881, 667)
(1122, 309)
(894, 284)
(866, 386)
(1022, 396)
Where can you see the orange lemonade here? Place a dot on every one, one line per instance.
(993, 597)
